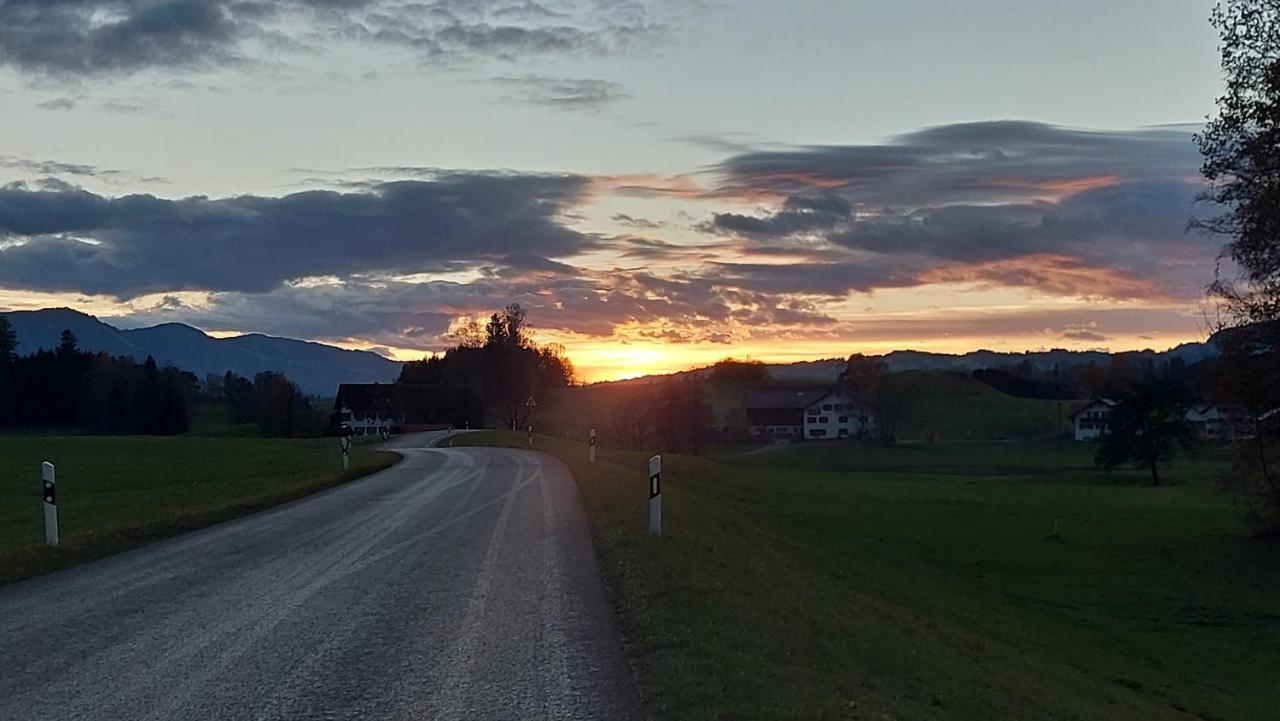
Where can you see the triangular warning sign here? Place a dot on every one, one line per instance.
(531, 403)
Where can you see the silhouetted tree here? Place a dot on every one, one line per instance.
(500, 364)
(283, 410)
(67, 343)
(865, 378)
(428, 371)
(8, 341)
(682, 415)
(740, 370)
(1147, 427)
(1241, 149)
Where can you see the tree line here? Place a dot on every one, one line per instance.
(70, 388)
(500, 364)
(101, 393)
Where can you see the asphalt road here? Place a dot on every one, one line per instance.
(459, 584)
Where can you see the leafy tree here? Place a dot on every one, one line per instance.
(866, 379)
(283, 410)
(682, 414)
(1147, 428)
(740, 370)
(428, 371)
(499, 363)
(1241, 149)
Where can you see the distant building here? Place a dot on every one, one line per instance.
(837, 415)
(1091, 420)
(1215, 423)
(809, 412)
(373, 408)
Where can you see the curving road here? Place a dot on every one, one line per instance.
(459, 584)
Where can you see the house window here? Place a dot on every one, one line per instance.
(817, 433)
(843, 419)
(823, 419)
(844, 432)
(826, 406)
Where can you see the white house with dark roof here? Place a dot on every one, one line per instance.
(837, 414)
(1091, 420)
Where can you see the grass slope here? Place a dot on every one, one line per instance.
(952, 406)
(119, 492)
(858, 582)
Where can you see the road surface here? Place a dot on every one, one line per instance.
(459, 584)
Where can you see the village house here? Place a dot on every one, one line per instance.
(837, 415)
(806, 412)
(1217, 424)
(1091, 420)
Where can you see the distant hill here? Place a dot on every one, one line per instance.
(828, 370)
(315, 367)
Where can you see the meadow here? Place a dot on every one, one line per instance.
(118, 492)
(858, 581)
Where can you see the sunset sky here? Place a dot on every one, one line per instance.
(662, 184)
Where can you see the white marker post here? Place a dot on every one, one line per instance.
(531, 436)
(591, 450)
(346, 453)
(655, 496)
(50, 503)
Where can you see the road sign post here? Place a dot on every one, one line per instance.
(655, 496)
(346, 453)
(50, 503)
(591, 450)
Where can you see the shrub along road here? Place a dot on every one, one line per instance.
(460, 584)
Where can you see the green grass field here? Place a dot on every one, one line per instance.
(119, 492)
(851, 581)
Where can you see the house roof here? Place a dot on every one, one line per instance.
(1106, 402)
(784, 397)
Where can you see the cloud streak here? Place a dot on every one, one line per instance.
(577, 94)
(93, 38)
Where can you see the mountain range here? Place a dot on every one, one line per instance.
(829, 370)
(317, 368)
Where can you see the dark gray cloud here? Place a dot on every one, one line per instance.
(81, 38)
(994, 161)
(1003, 203)
(127, 246)
(92, 37)
(580, 94)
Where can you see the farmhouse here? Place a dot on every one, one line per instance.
(810, 412)
(373, 408)
(1092, 419)
(1215, 423)
(837, 415)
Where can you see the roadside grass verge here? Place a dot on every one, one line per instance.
(119, 492)
(789, 586)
